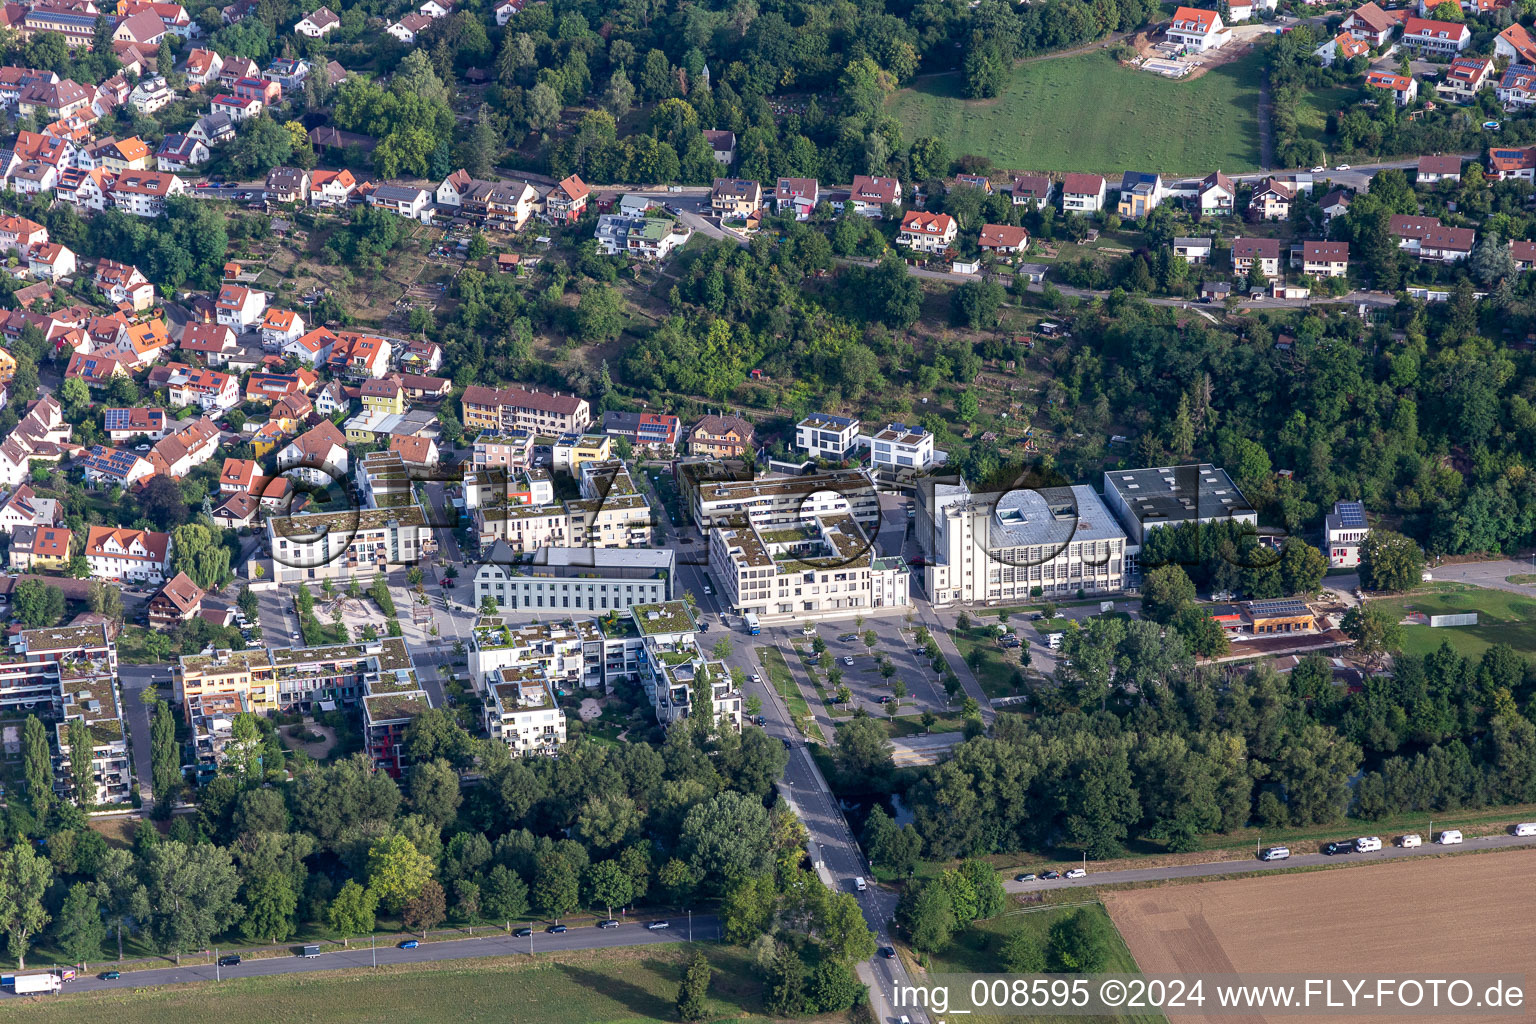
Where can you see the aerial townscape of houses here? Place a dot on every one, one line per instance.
(573, 586)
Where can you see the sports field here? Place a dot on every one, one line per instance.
(1462, 913)
(1088, 113)
(1502, 618)
(598, 987)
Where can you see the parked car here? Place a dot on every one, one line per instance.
(557, 929)
(1028, 876)
(848, 638)
(523, 933)
(232, 960)
(109, 975)
(847, 659)
(410, 943)
(1050, 876)
(608, 922)
(1343, 846)
(656, 926)
(1077, 873)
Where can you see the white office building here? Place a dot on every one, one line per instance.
(986, 548)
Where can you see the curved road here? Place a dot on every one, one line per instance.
(706, 927)
(1256, 866)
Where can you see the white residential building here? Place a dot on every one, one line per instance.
(1344, 531)
(823, 436)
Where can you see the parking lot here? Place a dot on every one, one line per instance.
(894, 640)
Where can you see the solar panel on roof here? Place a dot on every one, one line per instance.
(1352, 515)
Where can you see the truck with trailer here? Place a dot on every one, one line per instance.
(50, 983)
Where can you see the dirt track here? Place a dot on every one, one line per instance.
(1464, 914)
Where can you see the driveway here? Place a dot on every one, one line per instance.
(1493, 575)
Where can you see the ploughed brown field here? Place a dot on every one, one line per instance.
(1469, 914)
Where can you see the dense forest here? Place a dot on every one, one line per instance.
(1139, 744)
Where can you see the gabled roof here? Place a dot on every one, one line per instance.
(207, 338)
(1008, 236)
(1426, 28)
(184, 595)
(1373, 17)
(1216, 179)
(1256, 248)
(1325, 252)
(1519, 77)
(1450, 163)
(1387, 80)
(573, 189)
(318, 441)
(1518, 38)
(1082, 184)
(154, 544)
(1192, 19)
(922, 223)
(1349, 47)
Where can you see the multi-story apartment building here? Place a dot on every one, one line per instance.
(824, 436)
(674, 670)
(554, 646)
(576, 578)
(138, 556)
(820, 566)
(511, 449)
(63, 673)
(717, 495)
(900, 446)
(520, 711)
(378, 674)
(611, 512)
(657, 432)
(540, 412)
(284, 678)
(347, 545)
(984, 548)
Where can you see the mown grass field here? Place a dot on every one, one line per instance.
(596, 987)
(1503, 618)
(1090, 114)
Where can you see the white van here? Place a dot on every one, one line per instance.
(1526, 828)
(1450, 837)
(1367, 844)
(858, 884)
(1275, 853)
(1410, 840)
(1054, 640)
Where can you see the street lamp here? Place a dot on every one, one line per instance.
(690, 924)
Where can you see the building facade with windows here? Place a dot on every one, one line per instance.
(986, 548)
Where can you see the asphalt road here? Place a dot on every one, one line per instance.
(706, 927)
(1256, 866)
